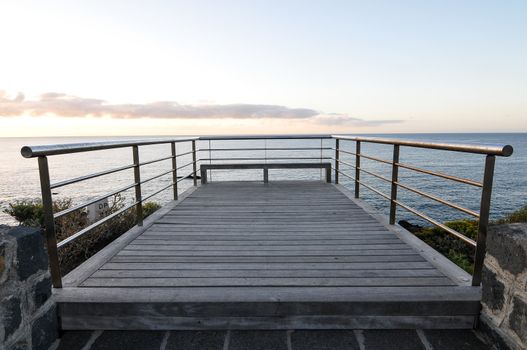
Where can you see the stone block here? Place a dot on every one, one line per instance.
(3, 260)
(518, 318)
(44, 330)
(31, 255)
(196, 340)
(508, 245)
(42, 292)
(493, 290)
(11, 314)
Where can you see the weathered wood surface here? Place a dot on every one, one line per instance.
(230, 245)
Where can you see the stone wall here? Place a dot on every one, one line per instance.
(27, 313)
(504, 313)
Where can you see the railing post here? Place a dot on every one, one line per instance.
(484, 211)
(357, 169)
(194, 165)
(174, 169)
(137, 180)
(337, 142)
(49, 222)
(395, 177)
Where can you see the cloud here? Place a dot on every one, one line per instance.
(63, 105)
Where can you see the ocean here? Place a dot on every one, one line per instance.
(20, 181)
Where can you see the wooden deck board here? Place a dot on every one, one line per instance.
(280, 242)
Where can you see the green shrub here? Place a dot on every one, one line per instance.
(450, 246)
(519, 215)
(30, 213)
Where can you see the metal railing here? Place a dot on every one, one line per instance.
(42, 152)
(486, 185)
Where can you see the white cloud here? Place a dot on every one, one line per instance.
(63, 105)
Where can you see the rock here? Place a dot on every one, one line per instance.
(508, 245)
(42, 292)
(518, 318)
(44, 330)
(30, 253)
(493, 290)
(410, 227)
(11, 314)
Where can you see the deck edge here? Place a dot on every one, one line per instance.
(443, 264)
(87, 268)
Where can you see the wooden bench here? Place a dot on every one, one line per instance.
(265, 167)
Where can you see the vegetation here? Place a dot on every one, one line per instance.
(30, 213)
(453, 248)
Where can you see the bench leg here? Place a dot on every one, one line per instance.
(266, 175)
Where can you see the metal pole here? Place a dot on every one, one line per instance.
(174, 169)
(137, 180)
(484, 211)
(194, 162)
(395, 177)
(337, 143)
(357, 168)
(49, 222)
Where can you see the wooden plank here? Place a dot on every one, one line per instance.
(268, 266)
(337, 249)
(273, 259)
(266, 282)
(264, 273)
(155, 253)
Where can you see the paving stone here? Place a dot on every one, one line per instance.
(44, 331)
(128, 340)
(459, 339)
(74, 340)
(196, 340)
(392, 339)
(258, 340)
(324, 340)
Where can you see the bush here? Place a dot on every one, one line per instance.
(519, 215)
(450, 246)
(30, 213)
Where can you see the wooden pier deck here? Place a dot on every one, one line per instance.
(281, 255)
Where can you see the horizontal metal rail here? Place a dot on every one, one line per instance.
(437, 199)
(442, 175)
(155, 160)
(343, 173)
(185, 177)
(374, 190)
(267, 149)
(91, 201)
(51, 150)
(497, 150)
(183, 166)
(157, 176)
(437, 223)
(375, 174)
(94, 225)
(90, 176)
(157, 192)
(266, 158)
(264, 137)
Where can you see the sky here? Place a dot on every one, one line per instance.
(103, 68)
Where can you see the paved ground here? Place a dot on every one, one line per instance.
(271, 340)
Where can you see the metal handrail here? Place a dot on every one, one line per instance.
(496, 150)
(486, 185)
(42, 152)
(51, 150)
